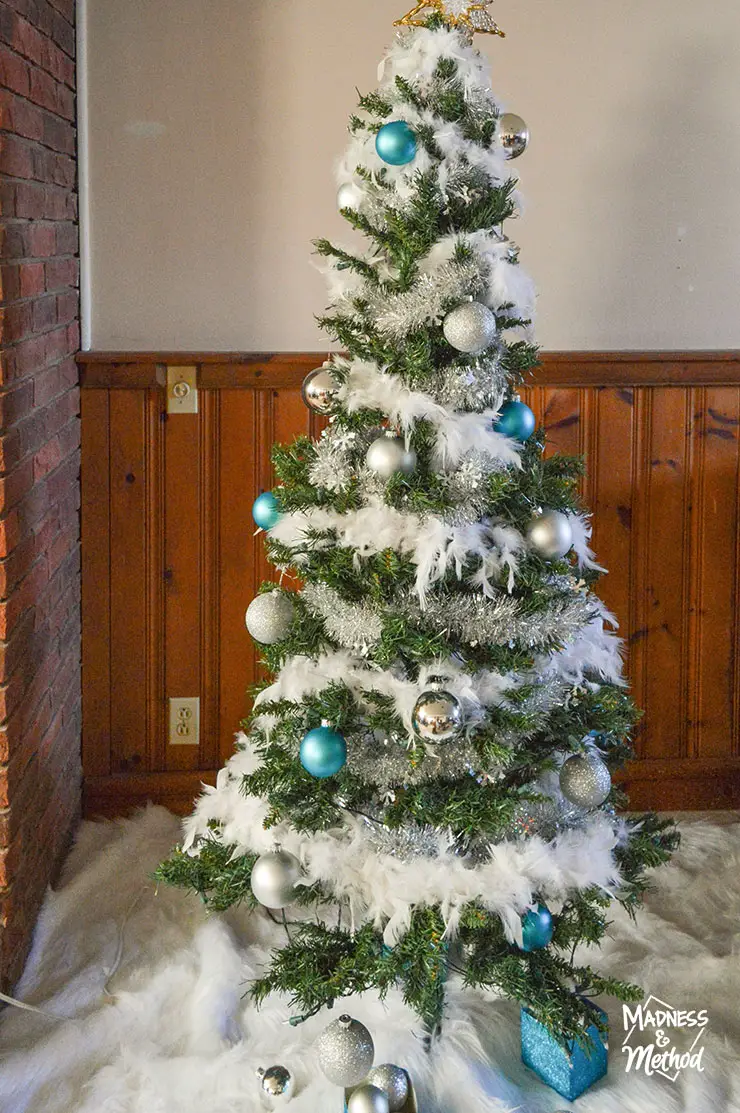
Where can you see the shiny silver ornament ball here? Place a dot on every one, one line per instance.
(513, 134)
(319, 390)
(470, 328)
(368, 1099)
(277, 1083)
(394, 1082)
(269, 617)
(437, 716)
(388, 455)
(551, 535)
(274, 878)
(585, 780)
(349, 196)
(345, 1051)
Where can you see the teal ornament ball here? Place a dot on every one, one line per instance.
(323, 752)
(396, 143)
(266, 510)
(515, 420)
(537, 928)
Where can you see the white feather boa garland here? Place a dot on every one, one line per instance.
(304, 676)
(384, 889)
(433, 545)
(367, 387)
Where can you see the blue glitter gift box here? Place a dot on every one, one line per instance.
(568, 1069)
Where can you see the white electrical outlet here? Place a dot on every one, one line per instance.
(185, 721)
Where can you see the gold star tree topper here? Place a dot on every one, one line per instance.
(459, 13)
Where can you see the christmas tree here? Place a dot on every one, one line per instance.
(425, 784)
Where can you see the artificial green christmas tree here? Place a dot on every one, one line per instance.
(425, 786)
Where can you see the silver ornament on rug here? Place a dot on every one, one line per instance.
(437, 716)
(550, 533)
(274, 878)
(394, 1082)
(319, 390)
(345, 1051)
(470, 328)
(368, 1099)
(513, 134)
(585, 780)
(388, 455)
(277, 1083)
(269, 617)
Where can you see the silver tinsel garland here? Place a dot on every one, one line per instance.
(473, 386)
(392, 761)
(473, 618)
(478, 620)
(355, 626)
(405, 842)
(397, 315)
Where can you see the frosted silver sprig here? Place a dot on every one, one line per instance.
(332, 466)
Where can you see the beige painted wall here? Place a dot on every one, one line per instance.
(214, 126)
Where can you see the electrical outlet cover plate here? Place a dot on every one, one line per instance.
(185, 721)
(182, 389)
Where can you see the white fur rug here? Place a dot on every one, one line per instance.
(171, 1033)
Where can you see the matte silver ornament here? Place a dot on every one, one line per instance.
(551, 535)
(277, 1083)
(388, 455)
(513, 134)
(437, 716)
(319, 390)
(269, 617)
(368, 1099)
(349, 196)
(274, 878)
(345, 1051)
(470, 328)
(394, 1082)
(585, 780)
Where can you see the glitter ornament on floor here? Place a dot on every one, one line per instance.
(394, 1082)
(345, 1051)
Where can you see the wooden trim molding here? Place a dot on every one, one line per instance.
(285, 370)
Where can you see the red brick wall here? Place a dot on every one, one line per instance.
(39, 461)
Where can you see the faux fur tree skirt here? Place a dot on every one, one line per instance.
(158, 1024)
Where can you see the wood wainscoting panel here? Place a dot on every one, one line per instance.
(171, 560)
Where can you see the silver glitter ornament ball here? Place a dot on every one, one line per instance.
(345, 1051)
(437, 716)
(274, 878)
(551, 535)
(394, 1082)
(269, 617)
(513, 134)
(277, 1083)
(585, 780)
(319, 390)
(368, 1099)
(470, 328)
(388, 455)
